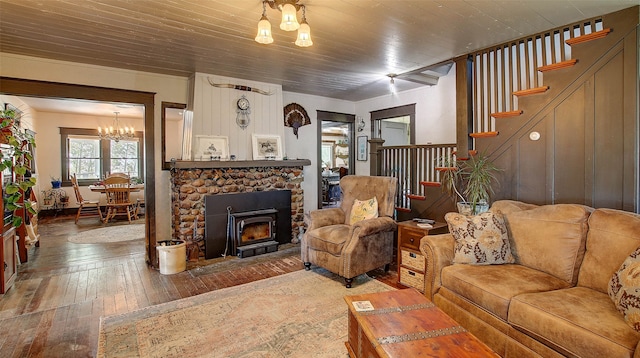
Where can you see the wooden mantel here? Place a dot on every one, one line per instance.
(207, 164)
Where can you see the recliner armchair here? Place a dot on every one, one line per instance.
(351, 250)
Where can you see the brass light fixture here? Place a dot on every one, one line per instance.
(289, 9)
(115, 132)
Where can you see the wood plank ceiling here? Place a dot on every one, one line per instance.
(356, 42)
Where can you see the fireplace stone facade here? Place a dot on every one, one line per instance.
(192, 181)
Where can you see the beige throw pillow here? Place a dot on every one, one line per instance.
(363, 209)
(479, 240)
(624, 289)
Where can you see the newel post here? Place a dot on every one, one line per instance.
(375, 153)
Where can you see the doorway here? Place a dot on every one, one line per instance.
(34, 88)
(335, 155)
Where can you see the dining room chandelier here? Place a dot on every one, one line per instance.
(289, 9)
(115, 132)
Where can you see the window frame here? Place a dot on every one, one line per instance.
(105, 153)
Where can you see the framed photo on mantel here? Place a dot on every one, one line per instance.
(210, 147)
(267, 147)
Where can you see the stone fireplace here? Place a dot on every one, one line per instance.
(193, 181)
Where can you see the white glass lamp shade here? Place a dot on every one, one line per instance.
(264, 31)
(304, 35)
(289, 19)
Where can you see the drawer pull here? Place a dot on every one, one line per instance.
(411, 273)
(411, 240)
(412, 255)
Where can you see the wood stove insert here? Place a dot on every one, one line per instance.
(225, 213)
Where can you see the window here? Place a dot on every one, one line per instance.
(124, 156)
(90, 158)
(84, 157)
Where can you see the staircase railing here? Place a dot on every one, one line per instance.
(500, 75)
(504, 72)
(413, 165)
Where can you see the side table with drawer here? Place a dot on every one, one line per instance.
(411, 263)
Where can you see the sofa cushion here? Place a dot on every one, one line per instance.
(480, 240)
(492, 286)
(550, 238)
(576, 321)
(624, 289)
(510, 206)
(330, 239)
(363, 210)
(613, 235)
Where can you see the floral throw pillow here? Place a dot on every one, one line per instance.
(624, 289)
(480, 240)
(363, 209)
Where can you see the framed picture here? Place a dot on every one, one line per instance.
(361, 144)
(18, 113)
(267, 146)
(208, 147)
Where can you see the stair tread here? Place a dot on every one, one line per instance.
(484, 134)
(507, 114)
(416, 197)
(531, 91)
(557, 65)
(430, 183)
(592, 36)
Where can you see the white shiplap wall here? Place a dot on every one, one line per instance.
(214, 112)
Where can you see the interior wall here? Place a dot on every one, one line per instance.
(167, 89)
(48, 156)
(435, 112)
(215, 112)
(306, 145)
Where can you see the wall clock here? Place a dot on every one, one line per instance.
(295, 116)
(243, 111)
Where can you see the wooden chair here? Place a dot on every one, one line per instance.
(86, 208)
(139, 205)
(121, 175)
(118, 191)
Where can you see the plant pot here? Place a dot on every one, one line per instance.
(56, 184)
(467, 208)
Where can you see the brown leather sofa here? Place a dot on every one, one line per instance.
(553, 301)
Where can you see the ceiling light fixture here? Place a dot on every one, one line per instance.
(115, 132)
(289, 9)
(392, 86)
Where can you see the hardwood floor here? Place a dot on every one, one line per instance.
(54, 308)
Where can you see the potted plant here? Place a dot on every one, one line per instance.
(471, 181)
(56, 183)
(18, 158)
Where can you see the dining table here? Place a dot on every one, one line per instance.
(101, 188)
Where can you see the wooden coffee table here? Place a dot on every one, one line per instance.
(404, 323)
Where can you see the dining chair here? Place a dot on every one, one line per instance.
(138, 206)
(86, 208)
(118, 192)
(122, 175)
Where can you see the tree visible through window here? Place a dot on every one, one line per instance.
(84, 157)
(124, 157)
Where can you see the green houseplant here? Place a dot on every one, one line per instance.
(18, 158)
(469, 182)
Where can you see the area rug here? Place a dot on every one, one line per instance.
(109, 234)
(299, 314)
